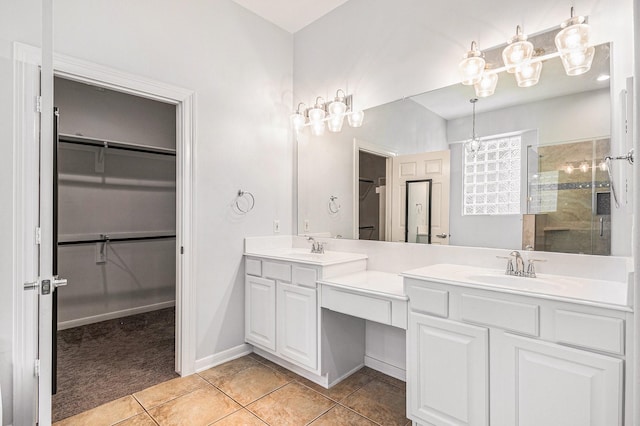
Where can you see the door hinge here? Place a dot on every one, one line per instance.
(181, 250)
(36, 368)
(38, 103)
(38, 235)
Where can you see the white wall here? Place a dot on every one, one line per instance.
(240, 67)
(20, 20)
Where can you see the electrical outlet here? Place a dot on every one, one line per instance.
(306, 225)
(276, 226)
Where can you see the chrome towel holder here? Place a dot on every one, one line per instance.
(247, 205)
(333, 205)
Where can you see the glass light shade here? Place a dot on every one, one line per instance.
(337, 108)
(578, 62)
(575, 35)
(356, 118)
(316, 115)
(487, 85)
(317, 128)
(471, 69)
(528, 75)
(335, 123)
(297, 121)
(568, 168)
(472, 146)
(516, 53)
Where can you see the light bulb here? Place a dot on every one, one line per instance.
(578, 62)
(337, 108)
(584, 167)
(528, 75)
(316, 115)
(568, 169)
(317, 128)
(335, 123)
(487, 85)
(297, 121)
(603, 166)
(356, 118)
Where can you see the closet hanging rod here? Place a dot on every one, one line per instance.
(127, 146)
(113, 239)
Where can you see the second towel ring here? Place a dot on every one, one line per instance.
(333, 205)
(250, 201)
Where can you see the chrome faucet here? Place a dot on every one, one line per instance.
(316, 246)
(519, 267)
(518, 270)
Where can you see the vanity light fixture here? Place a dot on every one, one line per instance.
(327, 114)
(520, 57)
(572, 43)
(473, 145)
(472, 66)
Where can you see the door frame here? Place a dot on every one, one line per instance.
(380, 151)
(101, 76)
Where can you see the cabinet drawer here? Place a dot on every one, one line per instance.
(590, 331)
(253, 267)
(513, 316)
(428, 301)
(276, 271)
(358, 305)
(305, 277)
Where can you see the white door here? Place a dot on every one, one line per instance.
(538, 383)
(449, 365)
(428, 165)
(260, 312)
(298, 324)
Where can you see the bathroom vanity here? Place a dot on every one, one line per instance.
(483, 348)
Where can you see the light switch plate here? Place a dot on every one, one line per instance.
(276, 226)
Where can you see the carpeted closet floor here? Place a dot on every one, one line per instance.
(102, 362)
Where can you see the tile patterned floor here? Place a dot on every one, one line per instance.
(254, 391)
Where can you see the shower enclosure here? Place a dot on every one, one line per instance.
(569, 198)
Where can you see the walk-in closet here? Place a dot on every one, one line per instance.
(116, 245)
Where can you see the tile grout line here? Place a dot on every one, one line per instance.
(360, 414)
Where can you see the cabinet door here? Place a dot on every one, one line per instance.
(298, 324)
(538, 383)
(447, 371)
(260, 312)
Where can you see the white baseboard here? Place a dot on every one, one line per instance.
(344, 376)
(383, 367)
(116, 314)
(222, 357)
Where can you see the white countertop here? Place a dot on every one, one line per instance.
(371, 282)
(304, 255)
(610, 294)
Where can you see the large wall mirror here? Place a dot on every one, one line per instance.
(537, 182)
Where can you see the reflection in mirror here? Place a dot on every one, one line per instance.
(418, 212)
(558, 110)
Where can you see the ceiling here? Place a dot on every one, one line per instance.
(290, 15)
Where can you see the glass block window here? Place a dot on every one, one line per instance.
(492, 178)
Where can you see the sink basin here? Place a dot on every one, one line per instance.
(548, 285)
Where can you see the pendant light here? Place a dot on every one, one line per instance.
(573, 44)
(473, 145)
(517, 52)
(472, 66)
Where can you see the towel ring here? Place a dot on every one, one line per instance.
(333, 205)
(250, 199)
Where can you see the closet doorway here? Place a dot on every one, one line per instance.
(116, 245)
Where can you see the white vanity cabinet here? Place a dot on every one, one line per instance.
(282, 311)
(480, 357)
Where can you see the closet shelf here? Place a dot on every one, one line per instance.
(102, 143)
(113, 237)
